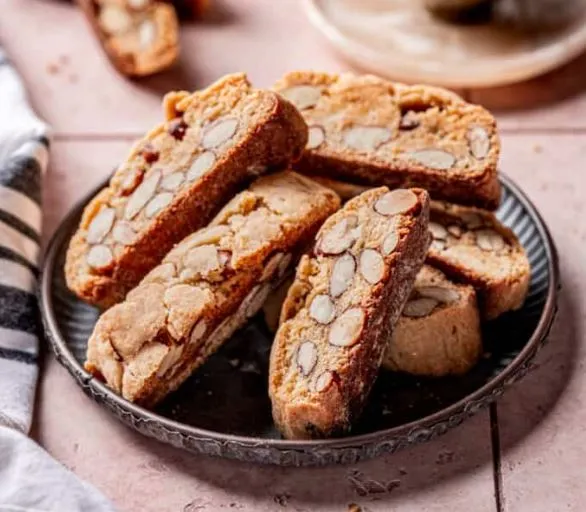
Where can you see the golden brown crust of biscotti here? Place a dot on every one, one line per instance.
(187, 167)
(346, 294)
(471, 246)
(206, 288)
(139, 37)
(438, 332)
(372, 131)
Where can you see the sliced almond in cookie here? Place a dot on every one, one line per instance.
(479, 142)
(198, 331)
(409, 121)
(438, 245)
(202, 164)
(271, 267)
(322, 309)
(472, 220)
(306, 357)
(366, 138)
(172, 181)
(209, 235)
(114, 19)
(219, 132)
(138, 4)
(147, 34)
(395, 202)
(372, 265)
(342, 274)
(454, 230)
(284, 265)
(438, 231)
(142, 195)
(255, 299)
(123, 233)
(175, 352)
(316, 137)
(433, 158)
(302, 96)
(323, 381)
(390, 243)
(100, 257)
(132, 180)
(157, 203)
(489, 240)
(439, 293)
(417, 308)
(340, 237)
(100, 225)
(347, 328)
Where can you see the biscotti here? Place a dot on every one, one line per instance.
(471, 246)
(438, 332)
(206, 288)
(176, 179)
(140, 37)
(370, 131)
(348, 292)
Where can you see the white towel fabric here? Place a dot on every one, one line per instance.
(30, 480)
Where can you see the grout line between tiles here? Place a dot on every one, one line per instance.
(496, 458)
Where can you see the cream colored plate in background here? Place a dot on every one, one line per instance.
(401, 40)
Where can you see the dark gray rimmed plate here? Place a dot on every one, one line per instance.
(224, 409)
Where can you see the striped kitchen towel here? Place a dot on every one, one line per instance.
(30, 480)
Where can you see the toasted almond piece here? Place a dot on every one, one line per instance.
(322, 309)
(479, 142)
(409, 121)
(302, 96)
(472, 220)
(306, 357)
(438, 245)
(255, 299)
(342, 274)
(438, 231)
(209, 235)
(396, 201)
(454, 230)
(372, 265)
(202, 164)
(347, 328)
(157, 203)
(271, 267)
(170, 359)
(114, 19)
(489, 240)
(433, 158)
(131, 181)
(138, 4)
(390, 242)
(284, 265)
(123, 233)
(198, 331)
(147, 34)
(100, 225)
(202, 259)
(316, 136)
(142, 195)
(219, 132)
(172, 181)
(439, 293)
(417, 308)
(323, 381)
(366, 138)
(99, 256)
(340, 237)
(162, 273)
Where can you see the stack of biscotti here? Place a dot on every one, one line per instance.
(365, 131)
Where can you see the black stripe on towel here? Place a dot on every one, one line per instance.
(7, 254)
(17, 355)
(18, 310)
(23, 173)
(19, 225)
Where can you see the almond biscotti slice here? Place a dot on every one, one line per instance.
(347, 294)
(206, 288)
(140, 37)
(368, 130)
(471, 246)
(176, 179)
(438, 332)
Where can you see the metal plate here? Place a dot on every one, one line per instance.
(224, 410)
